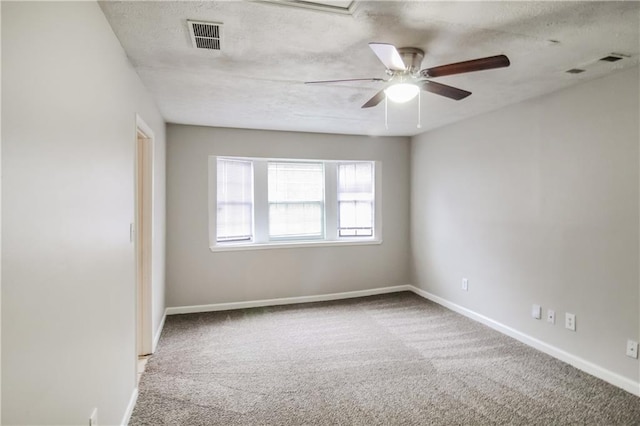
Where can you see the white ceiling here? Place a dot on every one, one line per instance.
(257, 80)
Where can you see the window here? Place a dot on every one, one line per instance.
(355, 199)
(262, 203)
(296, 200)
(234, 200)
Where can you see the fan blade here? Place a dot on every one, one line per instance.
(377, 98)
(340, 81)
(389, 56)
(491, 62)
(444, 90)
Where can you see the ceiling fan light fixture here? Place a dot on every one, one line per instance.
(402, 92)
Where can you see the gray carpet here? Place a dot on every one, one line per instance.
(394, 359)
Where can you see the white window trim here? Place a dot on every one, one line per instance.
(261, 208)
(294, 244)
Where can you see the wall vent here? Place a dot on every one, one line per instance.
(575, 71)
(205, 35)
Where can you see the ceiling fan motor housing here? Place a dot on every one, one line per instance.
(412, 58)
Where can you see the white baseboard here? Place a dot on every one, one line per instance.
(582, 364)
(285, 300)
(156, 338)
(132, 404)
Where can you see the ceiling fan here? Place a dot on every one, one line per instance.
(406, 79)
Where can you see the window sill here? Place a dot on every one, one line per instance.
(296, 244)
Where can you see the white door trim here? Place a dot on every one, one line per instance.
(144, 190)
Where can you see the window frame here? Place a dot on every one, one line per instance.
(261, 238)
(371, 201)
(322, 203)
(251, 235)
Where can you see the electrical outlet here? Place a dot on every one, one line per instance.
(93, 420)
(465, 284)
(632, 349)
(551, 316)
(536, 311)
(570, 321)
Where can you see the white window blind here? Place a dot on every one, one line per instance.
(234, 200)
(355, 199)
(296, 200)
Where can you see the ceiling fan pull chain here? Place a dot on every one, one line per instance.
(419, 111)
(386, 123)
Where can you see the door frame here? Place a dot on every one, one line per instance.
(143, 235)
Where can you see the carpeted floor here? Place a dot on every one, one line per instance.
(393, 359)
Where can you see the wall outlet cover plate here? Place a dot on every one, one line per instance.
(570, 321)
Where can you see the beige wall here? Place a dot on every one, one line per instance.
(69, 99)
(538, 203)
(197, 276)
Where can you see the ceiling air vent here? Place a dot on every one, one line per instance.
(611, 58)
(205, 35)
(341, 7)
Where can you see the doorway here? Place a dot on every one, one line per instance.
(143, 231)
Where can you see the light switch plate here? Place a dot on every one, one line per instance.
(536, 311)
(93, 420)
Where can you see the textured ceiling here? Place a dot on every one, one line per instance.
(268, 51)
